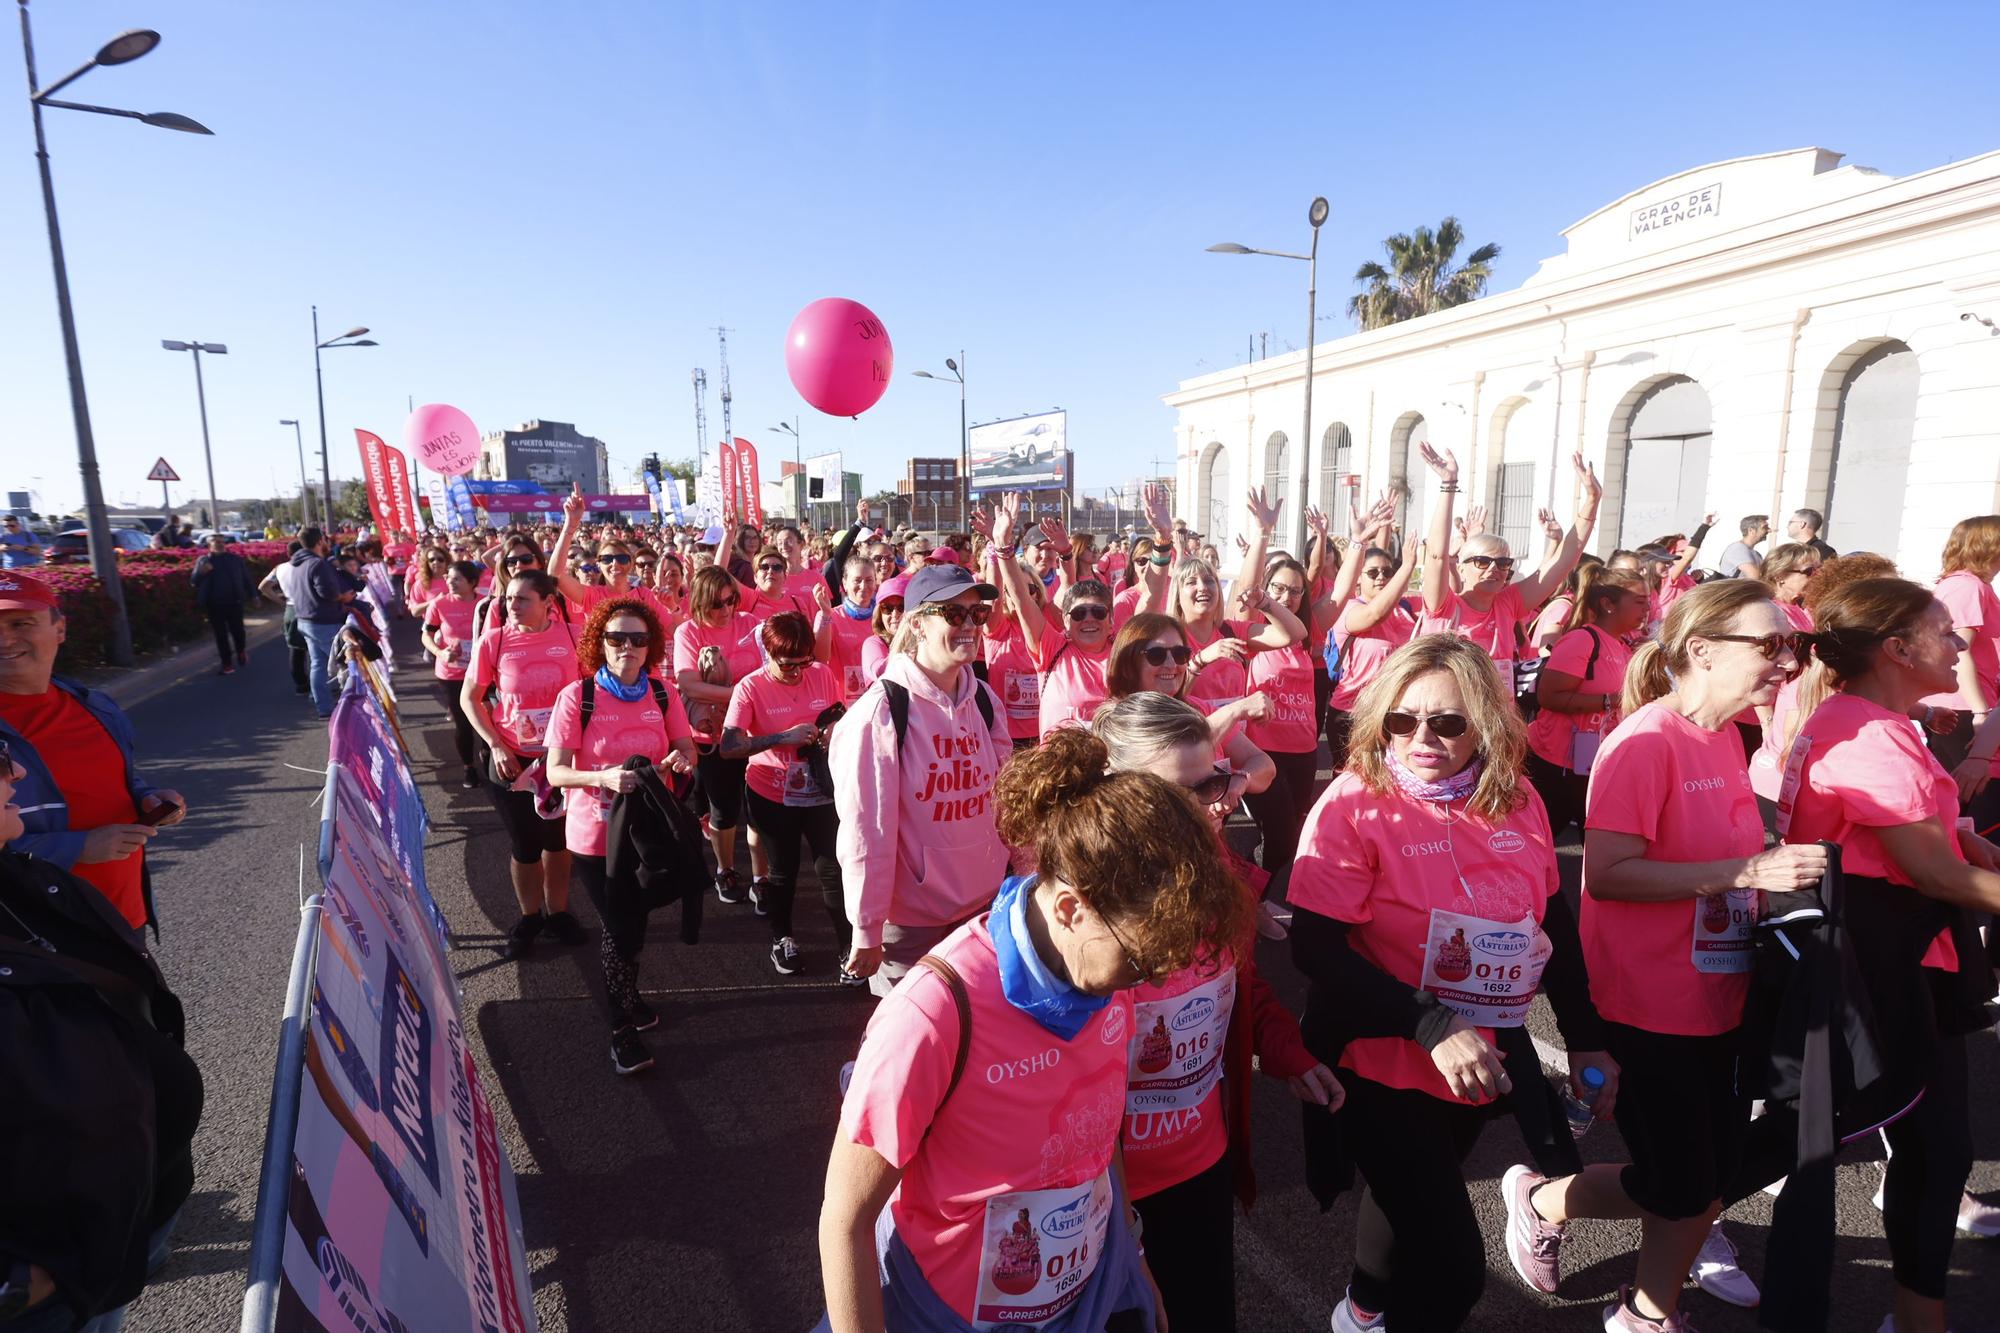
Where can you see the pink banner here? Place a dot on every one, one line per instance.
(375, 471)
(552, 504)
(746, 476)
(404, 499)
(731, 509)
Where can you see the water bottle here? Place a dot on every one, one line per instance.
(1582, 1111)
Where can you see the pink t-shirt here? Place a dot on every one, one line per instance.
(1285, 675)
(1401, 872)
(1492, 629)
(450, 619)
(1363, 655)
(1010, 670)
(849, 637)
(1550, 621)
(763, 706)
(800, 583)
(617, 731)
(1174, 1127)
(1671, 591)
(1031, 1127)
(530, 671)
(1225, 681)
(1073, 685)
(761, 608)
(1680, 966)
(1551, 734)
(741, 649)
(1801, 618)
(1975, 608)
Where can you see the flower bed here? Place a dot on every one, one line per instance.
(159, 600)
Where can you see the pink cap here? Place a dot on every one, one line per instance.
(895, 587)
(942, 555)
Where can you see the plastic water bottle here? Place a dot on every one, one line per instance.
(1582, 1111)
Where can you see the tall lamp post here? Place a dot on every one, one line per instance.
(351, 338)
(799, 461)
(1317, 216)
(305, 491)
(964, 438)
(122, 49)
(201, 397)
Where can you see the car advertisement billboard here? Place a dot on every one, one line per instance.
(1022, 454)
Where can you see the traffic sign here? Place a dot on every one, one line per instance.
(163, 471)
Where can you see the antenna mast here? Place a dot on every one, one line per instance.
(700, 421)
(722, 342)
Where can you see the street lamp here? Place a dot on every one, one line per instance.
(126, 46)
(1317, 216)
(964, 436)
(201, 397)
(351, 338)
(305, 492)
(799, 462)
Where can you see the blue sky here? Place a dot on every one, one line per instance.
(544, 211)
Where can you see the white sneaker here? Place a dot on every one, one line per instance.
(1345, 1320)
(1718, 1273)
(1978, 1219)
(1273, 921)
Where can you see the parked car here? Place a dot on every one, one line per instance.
(73, 547)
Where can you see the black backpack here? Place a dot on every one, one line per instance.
(589, 702)
(899, 708)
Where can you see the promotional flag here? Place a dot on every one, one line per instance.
(752, 507)
(461, 502)
(375, 474)
(674, 499)
(731, 486)
(652, 491)
(405, 499)
(434, 492)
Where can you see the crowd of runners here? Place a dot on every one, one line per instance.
(1052, 790)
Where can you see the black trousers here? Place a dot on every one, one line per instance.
(462, 734)
(1562, 792)
(528, 834)
(1190, 1239)
(618, 943)
(1338, 726)
(783, 828)
(227, 622)
(1281, 809)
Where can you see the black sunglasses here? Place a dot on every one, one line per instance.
(1444, 726)
(1504, 562)
(523, 560)
(1767, 644)
(613, 558)
(954, 615)
(1213, 787)
(619, 638)
(792, 663)
(1089, 611)
(771, 567)
(1156, 655)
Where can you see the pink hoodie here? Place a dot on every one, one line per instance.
(917, 842)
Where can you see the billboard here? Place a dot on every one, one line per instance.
(550, 452)
(1022, 454)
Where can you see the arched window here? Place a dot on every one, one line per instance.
(1336, 460)
(1871, 453)
(1277, 468)
(1215, 496)
(1666, 462)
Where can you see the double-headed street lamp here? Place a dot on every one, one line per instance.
(305, 491)
(799, 461)
(964, 437)
(201, 397)
(122, 49)
(1317, 216)
(351, 338)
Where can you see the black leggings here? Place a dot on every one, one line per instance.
(227, 622)
(1190, 1239)
(528, 834)
(720, 784)
(782, 827)
(1410, 1147)
(462, 733)
(618, 943)
(1562, 793)
(1281, 809)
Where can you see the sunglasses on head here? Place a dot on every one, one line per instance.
(1158, 654)
(955, 615)
(1089, 611)
(1768, 644)
(1501, 562)
(624, 638)
(1444, 726)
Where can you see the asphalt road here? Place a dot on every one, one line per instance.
(685, 1199)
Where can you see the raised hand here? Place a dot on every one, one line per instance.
(1444, 464)
(1586, 476)
(1381, 518)
(1708, 520)
(1242, 545)
(1057, 535)
(1159, 509)
(982, 521)
(1316, 520)
(1262, 512)
(1475, 520)
(1006, 518)
(574, 504)
(1551, 529)
(1458, 536)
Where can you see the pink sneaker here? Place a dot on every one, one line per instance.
(1618, 1318)
(1535, 1246)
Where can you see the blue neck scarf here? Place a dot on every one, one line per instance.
(856, 612)
(1024, 979)
(631, 694)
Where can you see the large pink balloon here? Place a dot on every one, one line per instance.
(443, 439)
(839, 357)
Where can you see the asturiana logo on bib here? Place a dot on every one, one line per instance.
(1194, 1013)
(1502, 943)
(1063, 1222)
(1114, 1025)
(1506, 840)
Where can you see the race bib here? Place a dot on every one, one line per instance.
(1175, 1056)
(461, 653)
(1722, 926)
(853, 681)
(1583, 747)
(1022, 694)
(801, 788)
(530, 724)
(1485, 971)
(1788, 786)
(1039, 1249)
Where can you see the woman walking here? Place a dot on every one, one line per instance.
(447, 637)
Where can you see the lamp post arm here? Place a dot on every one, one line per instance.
(1305, 433)
(95, 110)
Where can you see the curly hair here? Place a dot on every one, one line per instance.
(590, 645)
(1842, 570)
(1122, 671)
(1132, 844)
(1974, 545)
(1496, 727)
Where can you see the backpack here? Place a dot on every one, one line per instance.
(961, 1001)
(589, 702)
(899, 708)
(1330, 653)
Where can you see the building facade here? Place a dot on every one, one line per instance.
(928, 495)
(1749, 337)
(549, 452)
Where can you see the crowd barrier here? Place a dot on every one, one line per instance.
(386, 1203)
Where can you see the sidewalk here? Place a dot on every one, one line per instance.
(131, 686)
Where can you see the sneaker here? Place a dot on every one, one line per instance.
(1347, 1319)
(243, 658)
(758, 885)
(785, 956)
(470, 780)
(726, 887)
(522, 937)
(629, 1054)
(641, 1017)
(565, 927)
(847, 978)
(228, 669)
(1978, 1219)
(1619, 1317)
(1535, 1246)
(1717, 1271)
(1273, 922)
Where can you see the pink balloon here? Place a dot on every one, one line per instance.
(443, 439)
(839, 357)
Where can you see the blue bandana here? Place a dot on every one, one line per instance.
(857, 612)
(631, 694)
(1024, 979)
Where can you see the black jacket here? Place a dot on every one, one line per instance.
(222, 579)
(654, 852)
(100, 1102)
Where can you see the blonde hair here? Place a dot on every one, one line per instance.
(1495, 725)
(1596, 581)
(1700, 614)
(1784, 559)
(1139, 726)
(1974, 545)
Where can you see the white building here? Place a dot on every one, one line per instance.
(1748, 337)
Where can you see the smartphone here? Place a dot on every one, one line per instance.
(164, 810)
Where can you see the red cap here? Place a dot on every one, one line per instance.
(24, 592)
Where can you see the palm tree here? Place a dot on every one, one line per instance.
(1420, 278)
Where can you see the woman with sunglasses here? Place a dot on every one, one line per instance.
(1427, 916)
(1580, 687)
(769, 593)
(1488, 607)
(1673, 868)
(1221, 649)
(606, 570)
(1004, 1194)
(715, 648)
(1187, 1134)
(428, 580)
(519, 556)
(622, 654)
(772, 713)
(447, 637)
(1787, 571)
(1375, 622)
(519, 668)
(888, 618)
(1010, 663)
(918, 852)
(1150, 655)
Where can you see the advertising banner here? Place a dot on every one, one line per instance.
(1024, 454)
(401, 1210)
(652, 480)
(434, 492)
(746, 483)
(552, 504)
(554, 456)
(461, 502)
(482, 489)
(731, 486)
(404, 500)
(375, 475)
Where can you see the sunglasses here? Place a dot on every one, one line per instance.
(727, 603)
(1502, 562)
(1377, 572)
(1089, 611)
(1444, 726)
(620, 638)
(612, 558)
(771, 567)
(792, 663)
(1770, 645)
(523, 560)
(587, 569)
(1213, 787)
(1139, 969)
(955, 615)
(1156, 655)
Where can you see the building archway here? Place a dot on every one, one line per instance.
(1336, 460)
(1658, 462)
(1511, 511)
(1277, 468)
(1212, 493)
(1409, 475)
(1871, 391)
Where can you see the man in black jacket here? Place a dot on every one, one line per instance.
(222, 585)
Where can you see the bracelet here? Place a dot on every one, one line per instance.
(1159, 561)
(1448, 488)
(1001, 552)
